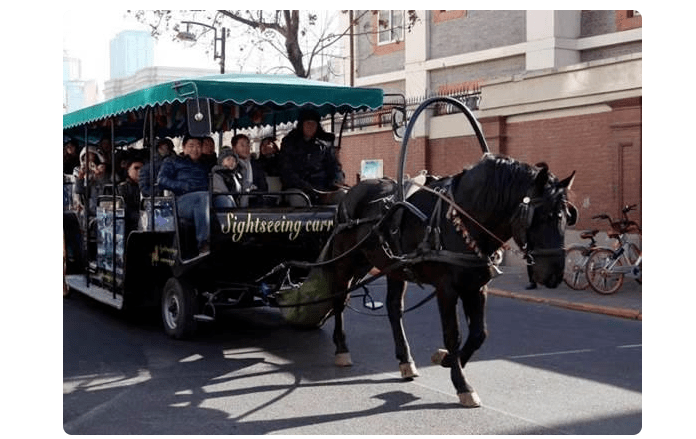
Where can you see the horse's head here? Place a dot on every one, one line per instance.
(538, 225)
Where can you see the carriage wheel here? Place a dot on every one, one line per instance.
(602, 279)
(178, 308)
(574, 271)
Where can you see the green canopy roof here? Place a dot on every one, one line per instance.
(236, 101)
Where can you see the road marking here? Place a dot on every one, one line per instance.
(576, 351)
(547, 354)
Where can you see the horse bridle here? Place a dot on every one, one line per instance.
(521, 221)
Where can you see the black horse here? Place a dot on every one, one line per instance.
(443, 236)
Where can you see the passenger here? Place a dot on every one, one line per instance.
(307, 158)
(187, 178)
(130, 191)
(254, 176)
(105, 149)
(71, 158)
(165, 150)
(208, 156)
(91, 166)
(269, 157)
(227, 178)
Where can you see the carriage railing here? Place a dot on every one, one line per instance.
(383, 117)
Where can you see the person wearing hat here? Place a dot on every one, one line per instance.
(92, 168)
(227, 178)
(307, 157)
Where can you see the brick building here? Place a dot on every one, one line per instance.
(564, 87)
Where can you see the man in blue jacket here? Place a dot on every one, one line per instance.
(187, 177)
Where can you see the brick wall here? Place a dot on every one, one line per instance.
(604, 149)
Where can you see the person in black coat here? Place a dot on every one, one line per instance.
(308, 159)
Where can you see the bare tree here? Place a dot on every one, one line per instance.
(285, 31)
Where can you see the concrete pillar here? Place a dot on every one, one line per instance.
(551, 37)
(416, 53)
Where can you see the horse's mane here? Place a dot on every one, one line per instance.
(495, 185)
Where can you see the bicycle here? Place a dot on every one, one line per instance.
(577, 256)
(606, 268)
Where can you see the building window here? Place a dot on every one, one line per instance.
(390, 27)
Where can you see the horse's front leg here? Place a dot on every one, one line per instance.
(396, 289)
(447, 305)
(474, 308)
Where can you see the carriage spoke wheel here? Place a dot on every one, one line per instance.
(178, 308)
(574, 271)
(601, 275)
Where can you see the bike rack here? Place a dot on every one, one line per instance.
(404, 146)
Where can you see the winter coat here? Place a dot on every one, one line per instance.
(182, 175)
(309, 164)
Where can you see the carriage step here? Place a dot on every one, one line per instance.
(203, 318)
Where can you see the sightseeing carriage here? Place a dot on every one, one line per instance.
(157, 262)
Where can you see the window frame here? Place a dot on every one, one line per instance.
(390, 29)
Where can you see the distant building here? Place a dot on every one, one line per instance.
(150, 76)
(130, 51)
(77, 92)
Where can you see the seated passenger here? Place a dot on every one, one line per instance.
(71, 159)
(91, 166)
(208, 156)
(187, 178)
(254, 176)
(269, 157)
(307, 158)
(227, 178)
(165, 150)
(130, 191)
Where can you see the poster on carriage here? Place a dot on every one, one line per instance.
(107, 253)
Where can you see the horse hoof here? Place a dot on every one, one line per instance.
(438, 356)
(408, 370)
(469, 400)
(343, 360)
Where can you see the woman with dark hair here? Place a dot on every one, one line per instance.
(307, 157)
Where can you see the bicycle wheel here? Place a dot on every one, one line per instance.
(574, 271)
(600, 271)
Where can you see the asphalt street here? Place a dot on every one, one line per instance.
(542, 370)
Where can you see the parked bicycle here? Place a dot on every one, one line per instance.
(577, 256)
(606, 268)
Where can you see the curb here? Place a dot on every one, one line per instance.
(598, 309)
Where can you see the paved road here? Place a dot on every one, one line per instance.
(543, 369)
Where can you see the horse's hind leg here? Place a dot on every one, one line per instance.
(345, 270)
(447, 304)
(396, 290)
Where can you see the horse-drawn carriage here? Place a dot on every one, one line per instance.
(306, 259)
(156, 261)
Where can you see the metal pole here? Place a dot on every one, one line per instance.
(222, 51)
(113, 210)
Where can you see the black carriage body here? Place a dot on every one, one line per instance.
(246, 244)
